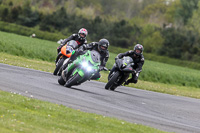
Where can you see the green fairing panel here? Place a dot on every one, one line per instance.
(87, 56)
(79, 71)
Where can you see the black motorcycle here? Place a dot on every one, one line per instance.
(121, 73)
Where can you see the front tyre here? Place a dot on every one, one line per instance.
(56, 71)
(73, 80)
(110, 83)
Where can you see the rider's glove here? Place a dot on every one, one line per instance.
(102, 68)
(105, 69)
(134, 71)
(116, 58)
(81, 48)
(60, 41)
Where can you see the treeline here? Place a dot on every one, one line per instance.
(177, 37)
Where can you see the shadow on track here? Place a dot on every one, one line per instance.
(128, 94)
(82, 90)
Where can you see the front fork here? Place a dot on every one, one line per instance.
(122, 78)
(58, 57)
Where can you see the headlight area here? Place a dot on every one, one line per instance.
(86, 66)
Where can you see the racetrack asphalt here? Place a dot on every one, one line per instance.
(162, 111)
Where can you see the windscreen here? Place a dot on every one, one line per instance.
(73, 44)
(69, 49)
(95, 56)
(127, 60)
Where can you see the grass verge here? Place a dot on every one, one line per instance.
(23, 114)
(145, 85)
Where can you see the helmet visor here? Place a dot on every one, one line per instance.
(103, 47)
(138, 51)
(82, 35)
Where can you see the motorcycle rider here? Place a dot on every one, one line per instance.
(138, 59)
(80, 38)
(101, 47)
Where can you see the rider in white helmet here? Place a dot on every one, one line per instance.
(80, 38)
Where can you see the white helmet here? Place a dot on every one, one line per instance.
(82, 33)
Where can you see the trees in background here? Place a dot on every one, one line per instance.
(55, 21)
(164, 27)
(185, 10)
(26, 17)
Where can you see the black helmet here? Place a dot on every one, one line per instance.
(82, 33)
(103, 45)
(138, 49)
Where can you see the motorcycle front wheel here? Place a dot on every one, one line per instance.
(60, 63)
(73, 80)
(61, 81)
(113, 79)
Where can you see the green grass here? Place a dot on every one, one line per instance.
(170, 74)
(152, 86)
(27, 47)
(34, 48)
(23, 114)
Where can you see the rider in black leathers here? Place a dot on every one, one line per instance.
(101, 47)
(80, 38)
(138, 59)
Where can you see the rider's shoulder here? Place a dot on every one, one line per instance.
(74, 35)
(130, 51)
(94, 43)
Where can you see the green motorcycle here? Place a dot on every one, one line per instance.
(81, 69)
